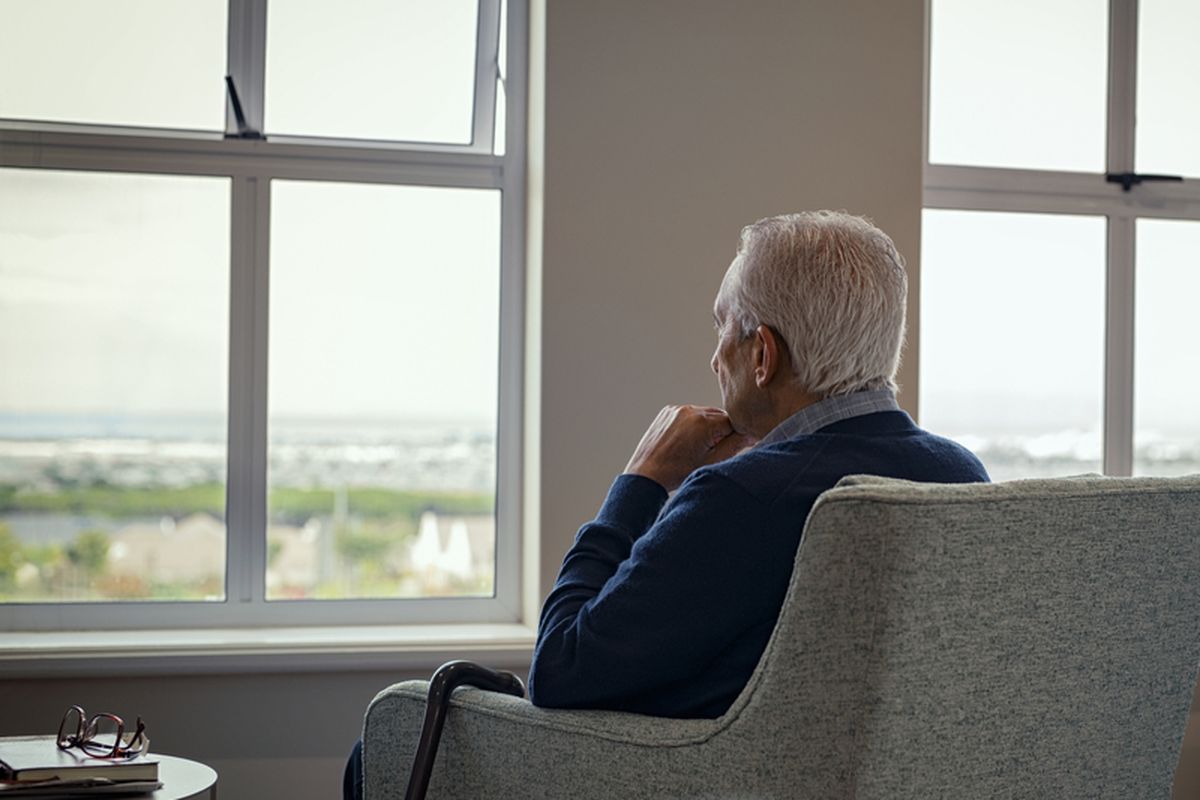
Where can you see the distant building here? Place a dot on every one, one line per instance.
(296, 563)
(191, 550)
(453, 547)
(445, 552)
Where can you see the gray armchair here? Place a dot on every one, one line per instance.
(1024, 639)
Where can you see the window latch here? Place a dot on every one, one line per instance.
(1130, 179)
(244, 131)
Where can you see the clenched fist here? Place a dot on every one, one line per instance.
(682, 439)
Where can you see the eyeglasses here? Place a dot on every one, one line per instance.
(92, 735)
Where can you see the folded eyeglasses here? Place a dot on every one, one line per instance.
(101, 735)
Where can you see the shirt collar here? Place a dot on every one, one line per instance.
(811, 419)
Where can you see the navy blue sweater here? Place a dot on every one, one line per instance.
(667, 614)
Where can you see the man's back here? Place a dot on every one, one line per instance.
(667, 614)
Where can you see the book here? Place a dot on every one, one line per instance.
(57, 790)
(27, 759)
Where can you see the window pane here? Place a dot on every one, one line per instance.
(383, 390)
(1168, 94)
(1012, 338)
(114, 295)
(115, 62)
(376, 69)
(1166, 420)
(1018, 84)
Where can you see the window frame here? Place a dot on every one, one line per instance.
(251, 165)
(971, 188)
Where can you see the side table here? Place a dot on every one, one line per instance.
(184, 780)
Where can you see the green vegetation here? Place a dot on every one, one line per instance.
(359, 544)
(115, 501)
(89, 552)
(52, 571)
(296, 505)
(289, 505)
(274, 548)
(10, 556)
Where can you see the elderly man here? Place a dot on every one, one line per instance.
(664, 605)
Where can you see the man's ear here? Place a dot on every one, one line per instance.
(768, 355)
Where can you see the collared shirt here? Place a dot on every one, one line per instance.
(811, 419)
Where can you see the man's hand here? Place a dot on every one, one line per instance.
(682, 439)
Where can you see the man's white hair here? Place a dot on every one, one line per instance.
(833, 286)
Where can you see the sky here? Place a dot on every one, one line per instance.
(114, 288)
(384, 299)
(114, 292)
(997, 66)
(1011, 332)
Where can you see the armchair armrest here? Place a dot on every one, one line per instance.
(500, 746)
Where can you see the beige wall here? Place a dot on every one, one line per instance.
(268, 736)
(1187, 775)
(668, 125)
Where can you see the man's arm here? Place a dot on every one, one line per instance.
(693, 582)
(640, 603)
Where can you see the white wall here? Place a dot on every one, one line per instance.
(669, 124)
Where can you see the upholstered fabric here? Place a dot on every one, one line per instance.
(1024, 639)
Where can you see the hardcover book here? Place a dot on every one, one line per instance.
(27, 759)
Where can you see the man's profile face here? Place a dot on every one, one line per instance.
(731, 364)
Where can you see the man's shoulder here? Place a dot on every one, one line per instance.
(887, 443)
(767, 471)
(896, 436)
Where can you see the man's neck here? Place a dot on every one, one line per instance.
(784, 402)
(815, 416)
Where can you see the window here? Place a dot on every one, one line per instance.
(260, 365)
(1062, 216)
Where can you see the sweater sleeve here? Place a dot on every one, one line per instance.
(642, 602)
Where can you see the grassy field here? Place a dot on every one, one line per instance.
(286, 504)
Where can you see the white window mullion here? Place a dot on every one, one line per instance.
(246, 484)
(1119, 302)
(1122, 83)
(245, 550)
(258, 437)
(1042, 191)
(510, 418)
(1119, 347)
(487, 50)
(247, 59)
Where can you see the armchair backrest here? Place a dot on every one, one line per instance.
(1029, 638)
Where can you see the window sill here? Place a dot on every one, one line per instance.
(239, 650)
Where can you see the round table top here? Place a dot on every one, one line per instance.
(183, 779)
